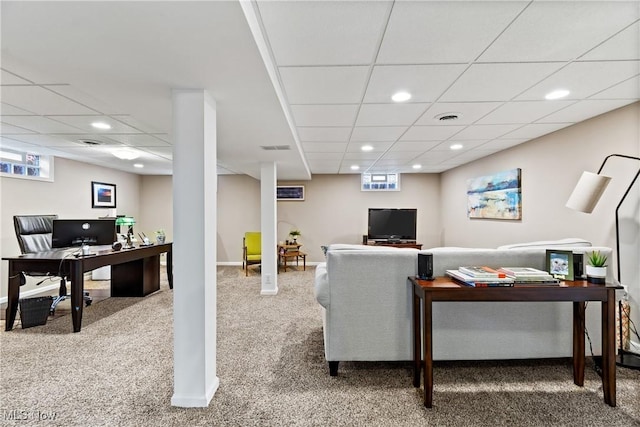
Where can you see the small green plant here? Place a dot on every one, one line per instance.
(160, 232)
(596, 259)
(295, 233)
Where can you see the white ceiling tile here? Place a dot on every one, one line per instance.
(7, 129)
(497, 82)
(41, 124)
(472, 155)
(324, 85)
(15, 144)
(468, 112)
(324, 156)
(425, 83)
(84, 123)
(349, 156)
(324, 115)
(535, 130)
(428, 32)
(414, 146)
(340, 33)
(324, 147)
(435, 157)
(584, 79)
(41, 101)
(584, 110)
(628, 89)
(378, 147)
(560, 30)
(164, 152)
(98, 107)
(139, 125)
(624, 45)
(389, 114)
(401, 155)
(523, 112)
(377, 133)
(328, 134)
(138, 140)
(430, 133)
(8, 78)
(466, 145)
(76, 138)
(10, 110)
(324, 166)
(51, 140)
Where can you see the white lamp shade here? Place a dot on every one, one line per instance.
(587, 192)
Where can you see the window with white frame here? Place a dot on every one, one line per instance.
(380, 182)
(21, 164)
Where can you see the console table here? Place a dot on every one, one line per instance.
(291, 252)
(134, 272)
(398, 245)
(578, 292)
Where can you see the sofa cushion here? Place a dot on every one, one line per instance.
(561, 243)
(321, 287)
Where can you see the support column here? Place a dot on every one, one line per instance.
(268, 215)
(194, 248)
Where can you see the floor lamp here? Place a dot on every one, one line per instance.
(584, 198)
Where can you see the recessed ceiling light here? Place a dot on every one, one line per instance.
(417, 166)
(366, 148)
(355, 167)
(557, 94)
(126, 154)
(456, 146)
(138, 165)
(101, 125)
(401, 96)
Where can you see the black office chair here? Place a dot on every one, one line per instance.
(34, 235)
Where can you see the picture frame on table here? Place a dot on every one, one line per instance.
(103, 195)
(560, 264)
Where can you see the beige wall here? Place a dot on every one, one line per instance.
(69, 196)
(156, 206)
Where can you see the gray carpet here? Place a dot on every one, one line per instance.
(118, 372)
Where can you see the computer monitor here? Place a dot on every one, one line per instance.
(78, 232)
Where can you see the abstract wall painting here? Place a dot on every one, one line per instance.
(496, 196)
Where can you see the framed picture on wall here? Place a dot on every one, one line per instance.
(560, 264)
(103, 195)
(290, 192)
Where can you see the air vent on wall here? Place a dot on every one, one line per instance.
(275, 147)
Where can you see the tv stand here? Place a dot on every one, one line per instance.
(398, 244)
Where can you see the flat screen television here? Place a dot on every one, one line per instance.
(392, 224)
(78, 232)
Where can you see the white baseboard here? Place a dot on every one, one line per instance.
(39, 290)
(239, 263)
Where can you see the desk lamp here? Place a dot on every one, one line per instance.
(127, 221)
(584, 198)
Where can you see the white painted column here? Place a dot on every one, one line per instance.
(268, 215)
(194, 248)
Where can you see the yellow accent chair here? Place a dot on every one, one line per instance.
(251, 250)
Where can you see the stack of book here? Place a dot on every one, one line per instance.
(528, 275)
(480, 276)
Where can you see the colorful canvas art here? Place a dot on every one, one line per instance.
(496, 196)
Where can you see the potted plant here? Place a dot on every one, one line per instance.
(294, 234)
(160, 236)
(597, 268)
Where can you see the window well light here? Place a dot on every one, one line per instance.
(101, 125)
(355, 167)
(366, 148)
(456, 146)
(557, 94)
(125, 154)
(138, 165)
(401, 96)
(417, 166)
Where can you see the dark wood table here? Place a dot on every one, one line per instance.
(578, 292)
(134, 272)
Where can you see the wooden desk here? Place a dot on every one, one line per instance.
(578, 292)
(291, 252)
(134, 272)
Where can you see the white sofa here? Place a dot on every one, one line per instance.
(366, 304)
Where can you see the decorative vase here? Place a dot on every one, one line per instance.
(160, 239)
(597, 275)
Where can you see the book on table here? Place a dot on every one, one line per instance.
(479, 282)
(481, 271)
(530, 275)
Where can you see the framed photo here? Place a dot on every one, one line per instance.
(290, 192)
(103, 195)
(560, 264)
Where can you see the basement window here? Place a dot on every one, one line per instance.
(380, 182)
(25, 165)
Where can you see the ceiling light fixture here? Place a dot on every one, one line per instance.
(138, 165)
(401, 96)
(101, 125)
(456, 146)
(367, 148)
(557, 94)
(355, 167)
(417, 166)
(125, 154)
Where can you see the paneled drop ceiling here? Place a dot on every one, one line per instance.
(314, 76)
